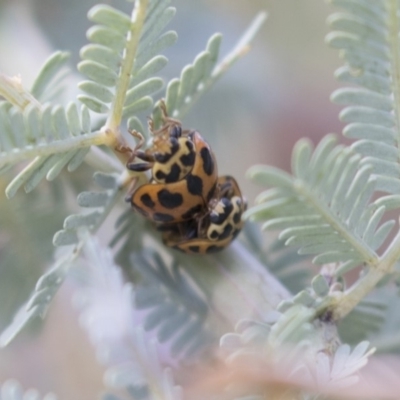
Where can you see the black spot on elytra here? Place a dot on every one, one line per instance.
(218, 219)
(192, 211)
(147, 201)
(194, 185)
(188, 159)
(161, 217)
(214, 235)
(165, 157)
(194, 249)
(236, 217)
(168, 199)
(227, 231)
(208, 163)
(173, 175)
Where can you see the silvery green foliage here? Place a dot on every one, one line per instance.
(114, 327)
(47, 286)
(12, 390)
(175, 309)
(102, 59)
(288, 345)
(59, 136)
(38, 126)
(98, 205)
(286, 264)
(325, 208)
(367, 37)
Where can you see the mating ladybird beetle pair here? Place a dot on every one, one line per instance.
(197, 211)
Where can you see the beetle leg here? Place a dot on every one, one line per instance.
(139, 167)
(139, 136)
(142, 155)
(136, 153)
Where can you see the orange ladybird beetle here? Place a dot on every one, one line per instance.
(217, 229)
(184, 173)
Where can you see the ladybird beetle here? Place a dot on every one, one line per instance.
(170, 158)
(184, 174)
(217, 229)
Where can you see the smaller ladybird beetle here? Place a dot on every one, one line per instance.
(184, 174)
(215, 230)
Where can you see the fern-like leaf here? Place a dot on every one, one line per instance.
(47, 132)
(46, 288)
(32, 129)
(177, 311)
(324, 208)
(107, 313)
(99, 205)
(120, 48)
(49, 79)
(367, 35)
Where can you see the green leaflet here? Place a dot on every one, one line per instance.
(101, 204)
(45, 131)
(366, 33)
(324, 207)
(105, 59)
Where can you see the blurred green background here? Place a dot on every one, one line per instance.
(275, 95)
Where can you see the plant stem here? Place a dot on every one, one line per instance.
(368, 282)
(115, 116)
(58, 146)
(358, 245)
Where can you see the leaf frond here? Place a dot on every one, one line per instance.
(49, 77)
(98, 204)
(324, 208)
(44, 133)
(175, 309)
(130, 354)
(39, 302)
(123, 57)
(367, 35)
